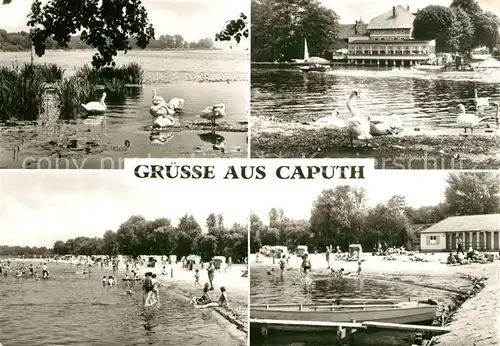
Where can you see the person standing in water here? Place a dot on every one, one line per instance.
(31, 269)
(327, 255)
(306, 264)
(282, 264)
(211, 272)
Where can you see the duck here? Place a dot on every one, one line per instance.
(357, 126)
(164, 121)
(481, 101)
(469, 121)
(161, 109)
(157, 100)
(96, 106)
(214, 112)
(385, 125)
(332, 121)
(177, 104)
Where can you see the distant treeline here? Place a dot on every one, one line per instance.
(20, 41)
(138, 236)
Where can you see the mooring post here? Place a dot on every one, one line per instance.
(263, 330)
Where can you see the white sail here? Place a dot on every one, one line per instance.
(306, 51)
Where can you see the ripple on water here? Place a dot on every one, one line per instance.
(75, 309)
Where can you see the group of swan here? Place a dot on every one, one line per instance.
(164, 111)
(358, 126)
(95, 106)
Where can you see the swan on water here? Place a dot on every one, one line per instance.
(481, 101)
(214, 112)
(357, 126)
(161, 109)
(385, 125)
(176, 103)
(157, 100)
(332, 121)
(469, 121)
(497, 114)
(164, 121)
(96, 106)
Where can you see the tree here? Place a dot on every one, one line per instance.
(434, 22)
(207, 246)
(235, 29)
(279, 28)
(472, 193)
(108, 26)
(386, 222)
(487, 30)
(462, 32)
(256, 227)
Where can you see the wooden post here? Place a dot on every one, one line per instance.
(31, 49)
(263, 330)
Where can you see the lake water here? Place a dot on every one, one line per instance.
(426, 100)
(291, 288)
(70, 309)
(201, 78)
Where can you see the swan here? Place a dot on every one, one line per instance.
(481, 101)
(468, 121)
(214, 112)
(497, 115)
(161, 109)
(384, 125)
(157, 100)
(164, 121)
(96, 106)
(177, 104)
(357, 125)
(332, 121)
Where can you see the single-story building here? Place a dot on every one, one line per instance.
(481, 232)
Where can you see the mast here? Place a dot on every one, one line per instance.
(306, 51)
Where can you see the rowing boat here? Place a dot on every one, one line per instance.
(346, 310)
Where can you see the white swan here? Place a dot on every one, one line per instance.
(481, 101)
(357, 126)
(164, 121)
(177, 104)
(497, 114)
(96, 106)
(214, 112)
(469, 121)
(157, 100)
(385, 125)
(161, 109)
(332, 121)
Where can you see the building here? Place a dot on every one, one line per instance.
(386, 40)
(481, 232)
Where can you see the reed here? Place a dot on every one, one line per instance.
(116, 89)
(71, 92)
(131, 73)
(51, 73)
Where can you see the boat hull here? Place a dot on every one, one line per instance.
(417, 314)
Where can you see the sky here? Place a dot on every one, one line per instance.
(352, 10)
(421, 188)
(193, 19)
(38, 207)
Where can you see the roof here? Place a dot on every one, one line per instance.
(350, 30)
(388, 41)
(488, 222)
(402, 20)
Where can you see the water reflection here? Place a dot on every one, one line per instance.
(160, 137)
(217, 141)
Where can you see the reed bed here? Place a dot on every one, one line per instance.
(24, 88)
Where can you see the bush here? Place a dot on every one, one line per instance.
(71, 93)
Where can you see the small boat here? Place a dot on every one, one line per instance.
(345, 311)
(315, 68)
(131, 279)
(425, 67)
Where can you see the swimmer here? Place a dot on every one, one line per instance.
(205, 297)
(223, 298)
(282, 263)
(359, 268)
(306, 265)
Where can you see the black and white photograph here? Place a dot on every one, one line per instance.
(87, 84)
(396, 264)
(86, 259)
(414, 85)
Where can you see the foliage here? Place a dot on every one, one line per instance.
(25, 251)
(105, 25)
(341, 217)
(71, 92)
(279, 28)
(235, 29)
(138, 236)
(460, 28)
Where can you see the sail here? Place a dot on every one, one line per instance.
(306, 51)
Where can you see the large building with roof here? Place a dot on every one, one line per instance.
(481, 232)
(386, 40)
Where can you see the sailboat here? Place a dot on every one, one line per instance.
(311, 66)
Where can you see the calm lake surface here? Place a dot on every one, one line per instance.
(427, 100)
(201, 78)
(291, 288)
(71, 309)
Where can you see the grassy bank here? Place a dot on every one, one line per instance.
(436, 151)
(26, 90)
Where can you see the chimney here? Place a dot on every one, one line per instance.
(394, 11)
(408, 7)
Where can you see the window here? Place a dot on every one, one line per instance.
(433, 237)
(433, 240)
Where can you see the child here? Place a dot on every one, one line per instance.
(111, 281)
(223, 298)
(104, 280)
(359, 268)
(156, 288)
(148, 288)
(205, 298)
(282, 263)
(197, 278)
